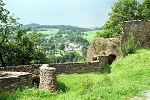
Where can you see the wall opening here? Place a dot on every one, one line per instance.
(36, 81)
(111, 58)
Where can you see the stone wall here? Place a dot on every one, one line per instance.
(34, 69)
(103, 47)
(13, 80)
(68, 68)
(140, 30)
(47, 77)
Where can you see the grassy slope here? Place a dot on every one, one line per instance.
(50, 32)
(90, 35)
(128, 77)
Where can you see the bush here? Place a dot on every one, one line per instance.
(128, 46)
(86, 82)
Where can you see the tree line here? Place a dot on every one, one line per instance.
(35, 26)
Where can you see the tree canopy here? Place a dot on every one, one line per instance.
(17, 45)
(124, 10)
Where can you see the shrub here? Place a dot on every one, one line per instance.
(86, 82)
(128, 46)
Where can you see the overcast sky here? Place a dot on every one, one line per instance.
(82, 13)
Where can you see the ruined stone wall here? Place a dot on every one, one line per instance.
(47, 76)
(140, 30)
(103, 47)
(68, 68)
(13, 80)
(34, 69)
(84, 67)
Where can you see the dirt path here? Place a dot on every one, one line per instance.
(147, 96)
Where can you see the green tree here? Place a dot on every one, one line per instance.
(145, 10)
(71, 56)
(78, 58)
(122, 10)
(39, 57)
(62, 46)
(8, 25)
(21, 48)
(52, 46)
(84, 52)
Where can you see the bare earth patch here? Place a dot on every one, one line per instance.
(146, 97)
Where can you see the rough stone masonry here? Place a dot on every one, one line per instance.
(140, 29)
(48, 78)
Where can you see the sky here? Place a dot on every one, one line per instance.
(81, 13)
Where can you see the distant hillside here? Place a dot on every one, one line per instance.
(64, 42)
(35, 26)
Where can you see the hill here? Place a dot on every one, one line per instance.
(129, 76)
(35, 26)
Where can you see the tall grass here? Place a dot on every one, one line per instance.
(129, 75)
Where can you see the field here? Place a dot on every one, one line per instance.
(90, 35)
(129, 76)
(51, 33)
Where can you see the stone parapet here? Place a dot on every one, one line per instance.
(68, 68)
(33, 69)
(48, 78)
(13, 80)
(84, 67)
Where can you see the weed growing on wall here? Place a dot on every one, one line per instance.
(128, 46)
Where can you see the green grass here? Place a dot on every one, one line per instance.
(128, 77)
(91, 35)
(49, 32)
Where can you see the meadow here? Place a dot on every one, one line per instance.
(90, 35)
(128, 77)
